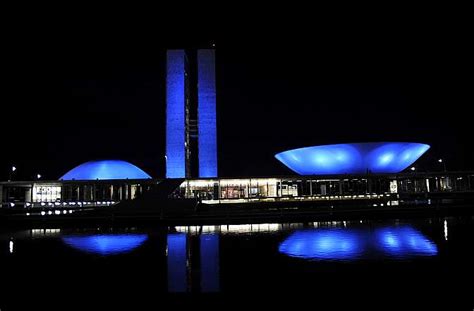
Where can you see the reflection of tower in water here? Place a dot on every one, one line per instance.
(193, 263)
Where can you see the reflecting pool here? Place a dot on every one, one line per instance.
(404, 260)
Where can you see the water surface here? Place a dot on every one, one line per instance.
(394, 260)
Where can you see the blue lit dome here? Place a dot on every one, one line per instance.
(360, 158)
(105, 170)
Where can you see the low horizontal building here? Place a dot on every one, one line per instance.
(234, 190)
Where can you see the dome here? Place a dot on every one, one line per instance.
(359, 158)
(105, 170)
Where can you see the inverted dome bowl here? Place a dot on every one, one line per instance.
(359, 158)
(105, 170)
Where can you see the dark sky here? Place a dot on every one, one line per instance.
(70, 96)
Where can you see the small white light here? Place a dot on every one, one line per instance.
(38, 176)
(43, 213)
(413, 168)
(28, 204)
(12, 204)
(43, 204)
(50, 213)
(57, 203)
(13, 168)
(11, 247)
(70, 211)
(72, 203)
(27, 214)
(445, 230)
(57, 212)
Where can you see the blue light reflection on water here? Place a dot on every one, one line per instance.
(341, 244)
(177, 262)
(404, 242)
(106, 244)
(209, 249)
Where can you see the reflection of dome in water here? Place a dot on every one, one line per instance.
(384, 157)
(105, 170)
(351, 244)
(102, 244)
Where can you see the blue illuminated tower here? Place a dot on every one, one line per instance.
(191, 114)
(177, 104)
(207, 128)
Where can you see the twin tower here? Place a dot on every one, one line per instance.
(191, 140)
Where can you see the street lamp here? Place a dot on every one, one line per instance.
(38, 176)
(444, 164)
(11, 172)
(413, 168)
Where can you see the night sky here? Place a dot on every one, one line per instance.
(72, 96)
